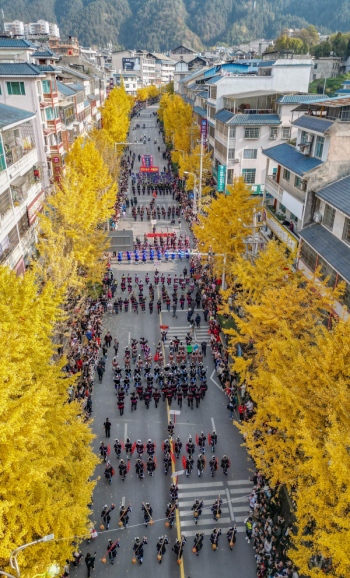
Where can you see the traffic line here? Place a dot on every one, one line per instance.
(195, 494)
(240, 491)
(240, 483)
(215, 382)
(213, 424)
(125, 431)
(230, 505)
(207, 531)
(199, 485)
(190, 513)
(207, 522)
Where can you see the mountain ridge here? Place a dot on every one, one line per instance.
(160, 25)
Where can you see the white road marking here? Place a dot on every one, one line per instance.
(215, 382)
(207, 531)
(240, 483)
(240, 491)
(125, 432)
(230, 505)
(129, 337)
(195, 494)
(200, 485)
(190, 513)
(213, 424)
(208, 522)
(123, 501)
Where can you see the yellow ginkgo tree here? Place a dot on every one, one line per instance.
(45, 452)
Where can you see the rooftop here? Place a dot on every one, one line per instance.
(16, 43)
(224, 115)
(10, 115)
(201, 111)
(64, 89)
(332, 250)
(19, 69)
(75, 87)
(335, 101)
(337, 194)
(300, 98)
(287, 156)
(44, 52)
(255, 119)
(313, 123)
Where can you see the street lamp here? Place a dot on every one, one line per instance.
(13, 558)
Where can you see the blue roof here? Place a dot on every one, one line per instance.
(46, 67)
(313, 123)
(203, 94)
(86, 103)
(214, 79)
(211, 122)
(10, 115)
(300, 98)
(343, 91)
(223, 115)
(16, 43)
(74, 86)
(266, 63)
(255, 119)
(64, 89)
(337, 194)
(44, 52)
(19, 69)
(330, 248)
(201, 111)
(346, 81)
(287, 156)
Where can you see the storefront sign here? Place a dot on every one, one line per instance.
(257, 189)
(149, 169)
(56, 159)
(221, 178)
(35, 207)
(204, 129)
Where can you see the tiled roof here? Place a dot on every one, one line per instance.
(46, 67)
(16, 43)
(313, 123)
(44, 52)
(201, 111)
(330, 248)
(287, 156)
(9, 115)
(255, 119)
(343, 91)
(223, 115)
(74, 86)
(300, 98)
(203, 94)
(64, 89)
(19, 69)
(266, 63)
(86, 103)
(214, 79)
(337, 194)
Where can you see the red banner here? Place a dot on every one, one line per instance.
(152, 235)
(149, 169)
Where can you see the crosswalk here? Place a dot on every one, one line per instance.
(200, 334)
(235, 507)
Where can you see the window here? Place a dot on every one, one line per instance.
(249, 176)
(51, 113)
(5, 203)
(273, 132)
(346, 230)
(2, 158)
(293, 217)
(285, 132)
(15, 88)
(298, 182)
(231, 154)
(232, 133)
(211, 131)
(0, 90)
(309, 256)
(126, 86)
(304, 137)
(315, 66)
(23, 225)
(286, 175)
(251, 132)
(328, 217)
(282, 208)
(319, 147)
(213, 92)
(46, 86)
(250, 154)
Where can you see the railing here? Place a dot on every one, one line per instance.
(281, 231)
(54, 123)
(273, 187)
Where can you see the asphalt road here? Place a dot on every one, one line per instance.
(152, 423)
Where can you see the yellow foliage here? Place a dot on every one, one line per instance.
(143, 94)
(115, 114)
(45, 451)
(223, 228)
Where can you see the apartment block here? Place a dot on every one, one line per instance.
(21, 187)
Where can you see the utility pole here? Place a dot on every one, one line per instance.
(200, 177)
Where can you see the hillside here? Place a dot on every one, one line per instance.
(161, 24)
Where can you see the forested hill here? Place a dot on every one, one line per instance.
(159, 25)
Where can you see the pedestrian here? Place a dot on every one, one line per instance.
(100, 371)
(198, 543)
(112, 550)
(231, 536)
(138, 548)
(108, 339)
(90, 562)
(198, 321)
(248, 528)
(161, 549)
(204, 348)
(174, 309)
(107, 425)
(214, 538)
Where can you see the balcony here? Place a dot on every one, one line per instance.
(54, 124)
(275, 223)
(273, 187)
(57, 149)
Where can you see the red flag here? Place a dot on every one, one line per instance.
(197, 439)
(173, 457)
(184, 462)
(108, 449)
(128, 466)
(209, 439)
(155, 445)
(121, 441)
(133, 447)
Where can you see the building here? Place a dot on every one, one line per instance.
(326, 242)
(295, 173)
(326, 67)
(130, 79)
(16, 49)
(15, 28)
(69, 47)
(164, 68)
(21, 189)
(183, 53)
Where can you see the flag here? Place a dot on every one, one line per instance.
(128, 466)
(184, 462)
(197, 439)
(209, 439)
(133, 447)
(108, 449)
(173, 457)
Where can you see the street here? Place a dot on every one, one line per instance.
(143, 424)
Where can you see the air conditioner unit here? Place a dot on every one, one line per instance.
(236, 160)
(317, 217)
(273, 137)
